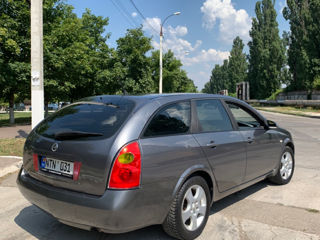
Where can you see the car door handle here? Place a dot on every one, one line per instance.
(211, 144)
(250, 140)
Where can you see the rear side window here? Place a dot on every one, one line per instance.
(99, 118)
(212, 116)
(172, 119)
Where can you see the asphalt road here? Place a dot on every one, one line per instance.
(263, 211)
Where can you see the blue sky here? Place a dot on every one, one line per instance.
(201, 36)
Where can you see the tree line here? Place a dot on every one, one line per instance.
(293, 60)
(77, 59)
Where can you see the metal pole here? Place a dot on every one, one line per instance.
(160, 71)
(37, 95)
(160, 60)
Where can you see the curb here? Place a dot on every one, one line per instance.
(290, 114)
(12, 168)
(15, 157)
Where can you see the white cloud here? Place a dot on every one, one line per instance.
(134, 14)
(198, 62)
(172, 37)
(282, 5)
(232, 22)
(151, 25)
(179, 31)
(210, 56)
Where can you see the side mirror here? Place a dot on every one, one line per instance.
(271, 124)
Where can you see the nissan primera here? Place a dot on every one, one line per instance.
(119, 163)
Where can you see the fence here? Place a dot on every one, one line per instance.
(298, 95)
(295, 103)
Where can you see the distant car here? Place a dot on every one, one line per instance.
(19, 107)
(119, 163)
(53, 106)
(63, 104)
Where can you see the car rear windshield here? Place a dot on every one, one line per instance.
(95, 119)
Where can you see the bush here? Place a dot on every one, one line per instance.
(275, 94)
(233, 95)
(316, 83)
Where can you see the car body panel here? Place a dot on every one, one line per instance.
(227, 156)
(92, 154)
(263, 150)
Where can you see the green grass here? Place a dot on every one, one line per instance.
(20, 118)
(11, 147)
(313, 210)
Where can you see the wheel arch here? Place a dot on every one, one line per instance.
(289, 143)
(198, 170)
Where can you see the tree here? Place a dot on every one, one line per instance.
(76, 55)
(219, 79)
(238, 66)
(14, 50)
(133, 64)
(304, 43)
(266, 58)
(174, 78)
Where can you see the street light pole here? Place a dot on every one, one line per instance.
(37, 95)
(161, 37)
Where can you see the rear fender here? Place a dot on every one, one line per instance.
(196, 170)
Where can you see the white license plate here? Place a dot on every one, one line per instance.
(56, 166)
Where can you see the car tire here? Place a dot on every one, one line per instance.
(189, 210)
(286, 167)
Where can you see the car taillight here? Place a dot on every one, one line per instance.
(35, 162)
(126, 168)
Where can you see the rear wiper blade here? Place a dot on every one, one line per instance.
(111, 105)
(75, 134)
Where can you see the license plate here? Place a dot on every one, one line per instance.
(56, 166)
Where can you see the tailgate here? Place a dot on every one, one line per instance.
(93, 156)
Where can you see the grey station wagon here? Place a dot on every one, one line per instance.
(119, 163)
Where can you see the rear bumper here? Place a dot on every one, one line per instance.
(113, 212)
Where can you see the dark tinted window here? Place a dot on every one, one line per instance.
(173, 119)
(244, 118)
(212, 116)
(104, 119)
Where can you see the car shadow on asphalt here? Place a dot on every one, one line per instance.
(238, 196)
(43, 226)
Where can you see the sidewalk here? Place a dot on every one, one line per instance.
(9, 164)
(20, 131)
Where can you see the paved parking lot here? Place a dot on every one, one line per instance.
(263, 211)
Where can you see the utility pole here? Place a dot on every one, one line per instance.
(160, 60)
(160, 71)
(37, 95)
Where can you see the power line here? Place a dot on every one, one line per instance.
(123, 14)
(140, 13)
(127, 13)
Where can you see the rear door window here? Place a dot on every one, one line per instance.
(89, 117)
(172, 119)
(212, 116)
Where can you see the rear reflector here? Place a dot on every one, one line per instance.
(35, 162)
(126, 170)
(76, 170)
